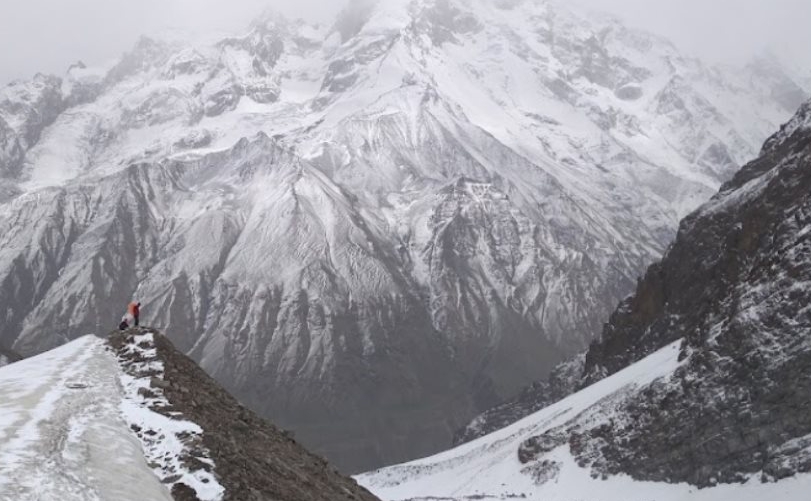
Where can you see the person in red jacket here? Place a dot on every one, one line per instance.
(134, 309)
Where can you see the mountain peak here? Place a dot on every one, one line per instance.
(288, 271)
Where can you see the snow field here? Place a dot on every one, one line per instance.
(61, 433)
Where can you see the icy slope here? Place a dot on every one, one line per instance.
(501, 465)
(427, 206)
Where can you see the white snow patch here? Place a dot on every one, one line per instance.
(165, 440)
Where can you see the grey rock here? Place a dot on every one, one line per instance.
(730, 286)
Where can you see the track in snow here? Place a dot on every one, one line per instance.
(61, 434)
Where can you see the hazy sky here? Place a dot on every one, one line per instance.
(49, 35)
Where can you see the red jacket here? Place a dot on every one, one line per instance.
(133, 309)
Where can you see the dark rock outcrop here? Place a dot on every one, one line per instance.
(735, 286)
(718, 249)
(254, 460)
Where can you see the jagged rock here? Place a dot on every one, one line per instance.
(734, 285)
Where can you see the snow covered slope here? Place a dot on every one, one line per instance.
(63, 432)
(100, 419)
(425, 206)
(528, 460)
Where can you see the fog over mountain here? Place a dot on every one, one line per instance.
(373, 229)
(48, 35)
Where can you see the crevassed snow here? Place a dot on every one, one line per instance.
(488, 468)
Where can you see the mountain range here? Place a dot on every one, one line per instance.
(368, 231)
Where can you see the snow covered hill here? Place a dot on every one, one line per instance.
(100, 419)
(701, 381)
(425, 206)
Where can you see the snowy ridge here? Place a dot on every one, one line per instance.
(799, 123)
(172, 446)
(129, 418)
(61, 430)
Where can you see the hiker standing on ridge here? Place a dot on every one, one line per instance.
(134, 309)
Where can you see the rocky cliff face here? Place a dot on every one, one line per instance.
(736, 286)
(727, 241)
(424, 208)
(737, 267)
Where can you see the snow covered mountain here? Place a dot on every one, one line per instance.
(130, 418)
(425, 206)
(701, 379)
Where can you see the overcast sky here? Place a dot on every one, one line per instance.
(49, 35)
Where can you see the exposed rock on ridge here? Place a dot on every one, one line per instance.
(254, 460)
